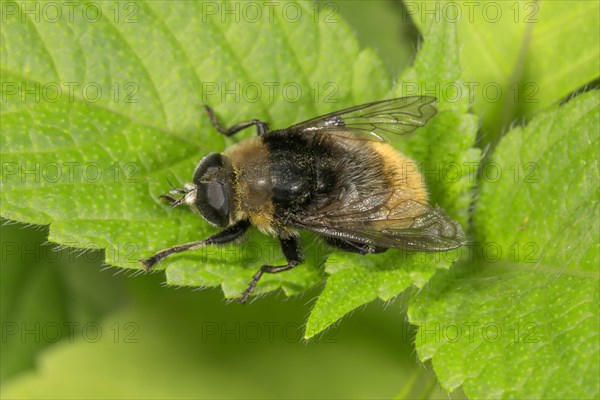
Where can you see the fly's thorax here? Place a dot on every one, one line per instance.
(253, 183)
(302, 167)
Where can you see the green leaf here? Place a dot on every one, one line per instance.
(93, 168)
(520, 57)
(383, 26)
(519, 317)
(446, 140)
(99, 116)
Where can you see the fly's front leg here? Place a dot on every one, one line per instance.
(291, 251)
(261, 127)
(167, 198)
(170, 199)
(226, 236)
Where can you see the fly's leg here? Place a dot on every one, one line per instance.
(226, 236)
(261, 127)
(291, 251)
(354, 247)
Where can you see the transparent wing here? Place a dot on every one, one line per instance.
(369, 121)
(408, 224)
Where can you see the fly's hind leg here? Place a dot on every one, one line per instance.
(261, 127)
(354, 247)
(291, 251)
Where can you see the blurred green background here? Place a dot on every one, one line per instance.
(73, 327)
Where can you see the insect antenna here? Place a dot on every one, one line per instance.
(174, 202)
(175, 190)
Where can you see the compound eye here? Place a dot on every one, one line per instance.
(212, 200)
(213, 194)
(216, 197)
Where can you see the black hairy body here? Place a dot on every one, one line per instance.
(284, 176)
